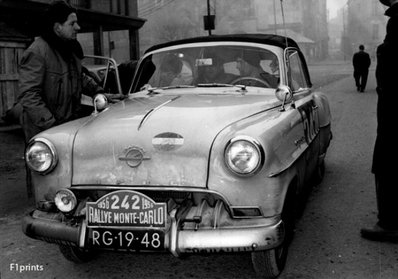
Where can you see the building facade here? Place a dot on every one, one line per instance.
(305, 20)
(365, 24)
(96, 18)
(110, 27)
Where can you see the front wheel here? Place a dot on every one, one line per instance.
(75, 254)
(269, 264)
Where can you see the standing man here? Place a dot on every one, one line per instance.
(361, 63)
(51, 79)
(386, 149)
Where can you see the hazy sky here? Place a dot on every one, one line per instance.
(334, 6)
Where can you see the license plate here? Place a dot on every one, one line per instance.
(126, 208)
(126, 239)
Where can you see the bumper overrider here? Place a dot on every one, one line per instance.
(181, 229)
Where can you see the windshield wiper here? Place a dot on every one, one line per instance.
(214, 84)
(178, 86)
(240, 86)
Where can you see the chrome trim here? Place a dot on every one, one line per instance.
(53, 151)
(268, 234)
(152, 188)
(217, 218)
(172, 189)
(114, 64)
(83, 231)
(248, 207)
(282, 169)
(146, 116)
(243, 239)
(256, 144)
(173, 233)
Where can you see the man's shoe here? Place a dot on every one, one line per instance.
(377, 233)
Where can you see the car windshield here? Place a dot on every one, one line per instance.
(206, 66)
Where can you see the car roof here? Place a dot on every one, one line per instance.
(268, 39)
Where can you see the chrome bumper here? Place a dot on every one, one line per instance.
(50, 228)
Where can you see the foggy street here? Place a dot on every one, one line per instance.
(327, 243)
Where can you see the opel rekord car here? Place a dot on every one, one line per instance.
(212, 150)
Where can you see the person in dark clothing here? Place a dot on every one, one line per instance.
(386, 150)
(361, 63)
(51, 80)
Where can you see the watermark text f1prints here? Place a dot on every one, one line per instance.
(26, 267)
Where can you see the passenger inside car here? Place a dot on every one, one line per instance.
(211, 70)
(250, 69)
(174, 71)
(169, 70)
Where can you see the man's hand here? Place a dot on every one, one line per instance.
(114, 98)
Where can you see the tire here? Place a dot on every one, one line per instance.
(268, 264)
(75, 254)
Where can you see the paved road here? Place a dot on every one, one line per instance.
(326, 244)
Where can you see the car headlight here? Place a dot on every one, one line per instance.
(243, 155)
(40, 155)
(65, 200)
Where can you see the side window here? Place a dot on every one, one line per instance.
(296, 75)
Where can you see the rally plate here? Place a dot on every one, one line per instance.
(126, 208)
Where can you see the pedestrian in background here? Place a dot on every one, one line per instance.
(361, 63)
(51, 79)
(386, 149)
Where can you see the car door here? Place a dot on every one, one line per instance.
(300, 84)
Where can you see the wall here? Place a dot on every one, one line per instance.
(10, 55)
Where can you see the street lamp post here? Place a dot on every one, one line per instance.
(208, 14)
(208, 19)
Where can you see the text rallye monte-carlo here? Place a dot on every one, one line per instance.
(212, 150)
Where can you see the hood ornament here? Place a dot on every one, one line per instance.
(134, 156)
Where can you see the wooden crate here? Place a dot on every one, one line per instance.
(10, 55)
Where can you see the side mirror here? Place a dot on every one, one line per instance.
(284, 94)
(100, 103)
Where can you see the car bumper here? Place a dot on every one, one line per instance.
(267, 234)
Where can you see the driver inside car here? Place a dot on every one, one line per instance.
(213, 72)
(174, 72)
(249, 66)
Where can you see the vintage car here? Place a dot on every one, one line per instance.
(213, 149)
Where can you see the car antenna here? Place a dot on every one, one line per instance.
(284, 25)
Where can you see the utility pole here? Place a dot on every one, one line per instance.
(275, 28)
(208, 14)
(344, 35)
(209, 19)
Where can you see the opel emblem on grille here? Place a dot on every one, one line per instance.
(134, 156)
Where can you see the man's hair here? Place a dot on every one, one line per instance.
(58, 11)
(171, 63)
(361, 47)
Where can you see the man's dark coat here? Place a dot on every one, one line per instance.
(386, 148)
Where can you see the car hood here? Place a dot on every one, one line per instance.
(161, 140)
